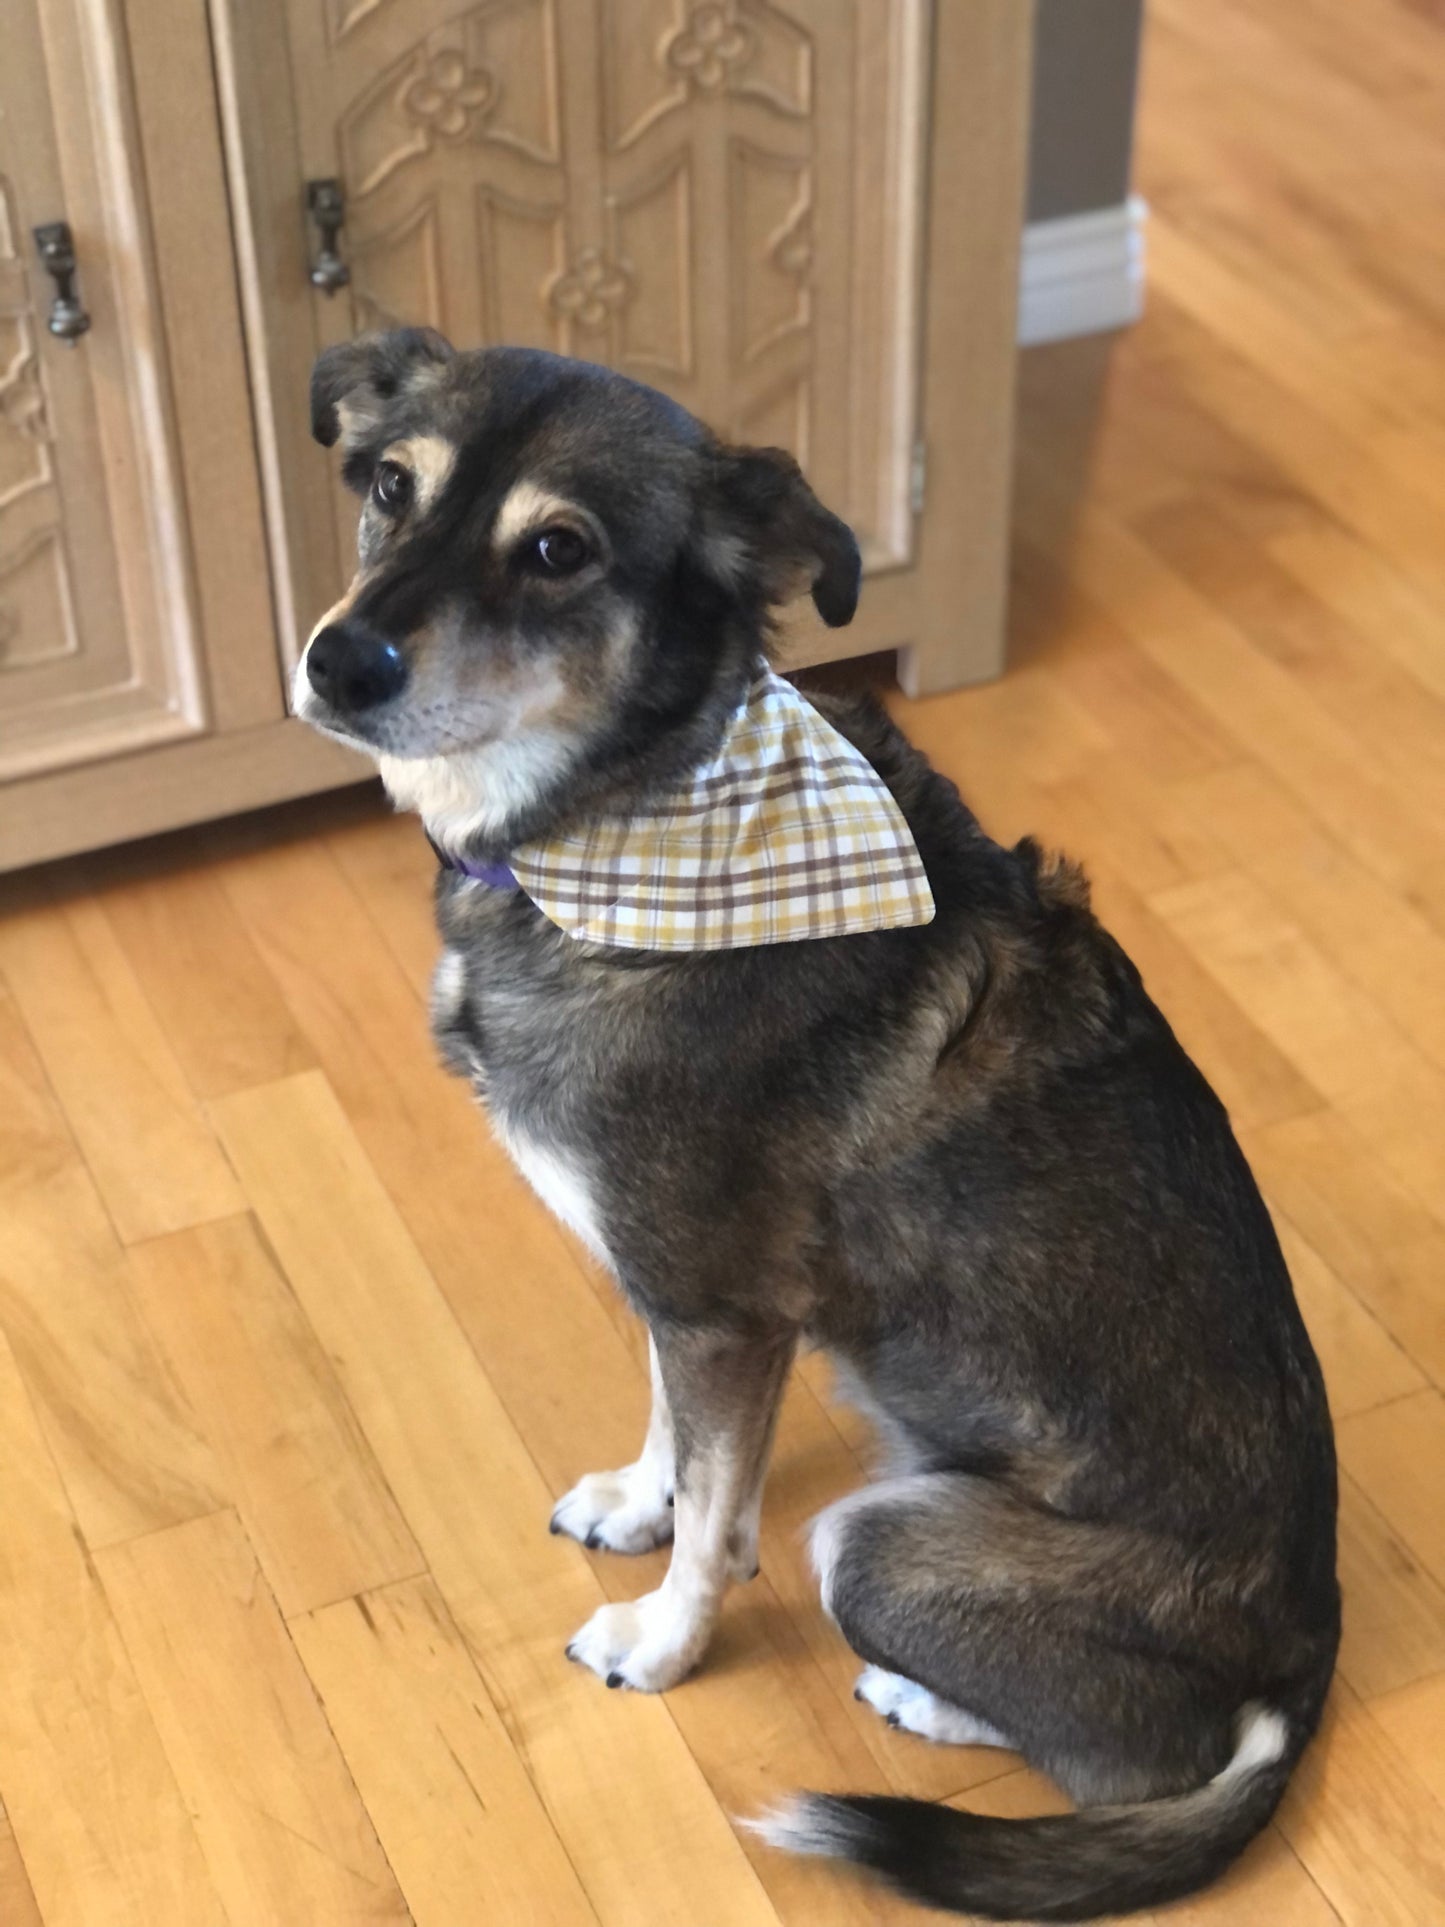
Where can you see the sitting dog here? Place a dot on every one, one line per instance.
(950, 1140)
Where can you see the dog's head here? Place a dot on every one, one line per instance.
(559, 568)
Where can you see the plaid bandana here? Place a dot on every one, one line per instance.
(789, 832)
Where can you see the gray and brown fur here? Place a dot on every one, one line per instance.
(970, 1159)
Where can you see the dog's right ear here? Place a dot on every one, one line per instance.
(353, 383)
(764, 525)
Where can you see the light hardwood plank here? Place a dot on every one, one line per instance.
(293, 1458)
(1362, 1364)
(1125, 432)
(123, 1433)
(129, 1446)
(18, 1906)
(1370, 489)
(1412, 1718)
(94, 1806)
(1374, 935)
(460, 1820)
(1384, 707)
(280, 1823)
(1365, 591)
(1371, 1072)
(1367, 806)
(1356, 396)
(1373, 1233)
(609, 1767)
(1366, 1829)
(1394, 1613)
(35, 1143)
(392, 868)
(1396, 1454)
(1256, 1080)
(154, 1159)
(1115, 820)
(1142, 711)
(225, 1019)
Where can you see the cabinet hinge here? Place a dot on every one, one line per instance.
(918, 476)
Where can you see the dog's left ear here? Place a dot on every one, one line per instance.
(353, 383)
(764, 521)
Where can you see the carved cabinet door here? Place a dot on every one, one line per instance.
(724, 198)
(98, 651)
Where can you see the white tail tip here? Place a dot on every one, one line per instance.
(1263, 1737)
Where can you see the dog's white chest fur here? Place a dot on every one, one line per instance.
(560, 1182)
(559, 1179)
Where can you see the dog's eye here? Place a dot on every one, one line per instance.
(559, 551)
(391, 489)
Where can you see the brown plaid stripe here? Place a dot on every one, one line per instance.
(789, 833)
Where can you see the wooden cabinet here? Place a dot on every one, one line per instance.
(800, 217)
(100, 650)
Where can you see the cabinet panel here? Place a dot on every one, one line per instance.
(98, 648)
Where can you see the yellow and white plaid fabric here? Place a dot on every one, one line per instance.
(788, 833)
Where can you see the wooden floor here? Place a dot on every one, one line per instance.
(292, 1366)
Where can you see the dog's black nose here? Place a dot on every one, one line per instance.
(351, 668)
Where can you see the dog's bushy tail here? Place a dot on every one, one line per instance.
(1103, 1860)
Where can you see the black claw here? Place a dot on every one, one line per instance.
(592, 1542)
(615, 1679)
(857, 1690)
(572, 1650)
(552, 1525)
(893, 1720)
(670, 1499)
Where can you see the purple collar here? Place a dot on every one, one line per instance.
(498, 875)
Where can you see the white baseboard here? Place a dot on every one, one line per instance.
(1082, 273)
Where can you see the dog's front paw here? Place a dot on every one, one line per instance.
(647, 1644)
(626, 1511)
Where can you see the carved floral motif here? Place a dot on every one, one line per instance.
(589, 290)
(708, 47)
(791, 249)
(22, 404)
(447, 98)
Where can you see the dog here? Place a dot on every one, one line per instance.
(966, 1156)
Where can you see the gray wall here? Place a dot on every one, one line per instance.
(1086, 62)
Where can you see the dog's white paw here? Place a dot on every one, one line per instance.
(648, 1643)
(903, 1702)
(626, 1511)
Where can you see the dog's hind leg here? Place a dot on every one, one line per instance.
(904, 1703)
(1019, 1626)
(629, 1510)
(723, 1390)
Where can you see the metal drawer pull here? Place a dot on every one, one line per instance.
(67, 319)
(326, 204)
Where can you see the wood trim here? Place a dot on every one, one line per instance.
(140, 677)
(901, 270)
(981, 73)
(84, 809)
(99, 160)
(253, 78)
(178, 120)
(1082, 274)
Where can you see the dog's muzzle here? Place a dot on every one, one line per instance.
(352, 669)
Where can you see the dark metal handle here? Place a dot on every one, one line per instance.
(67, 319)
(326, 204)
